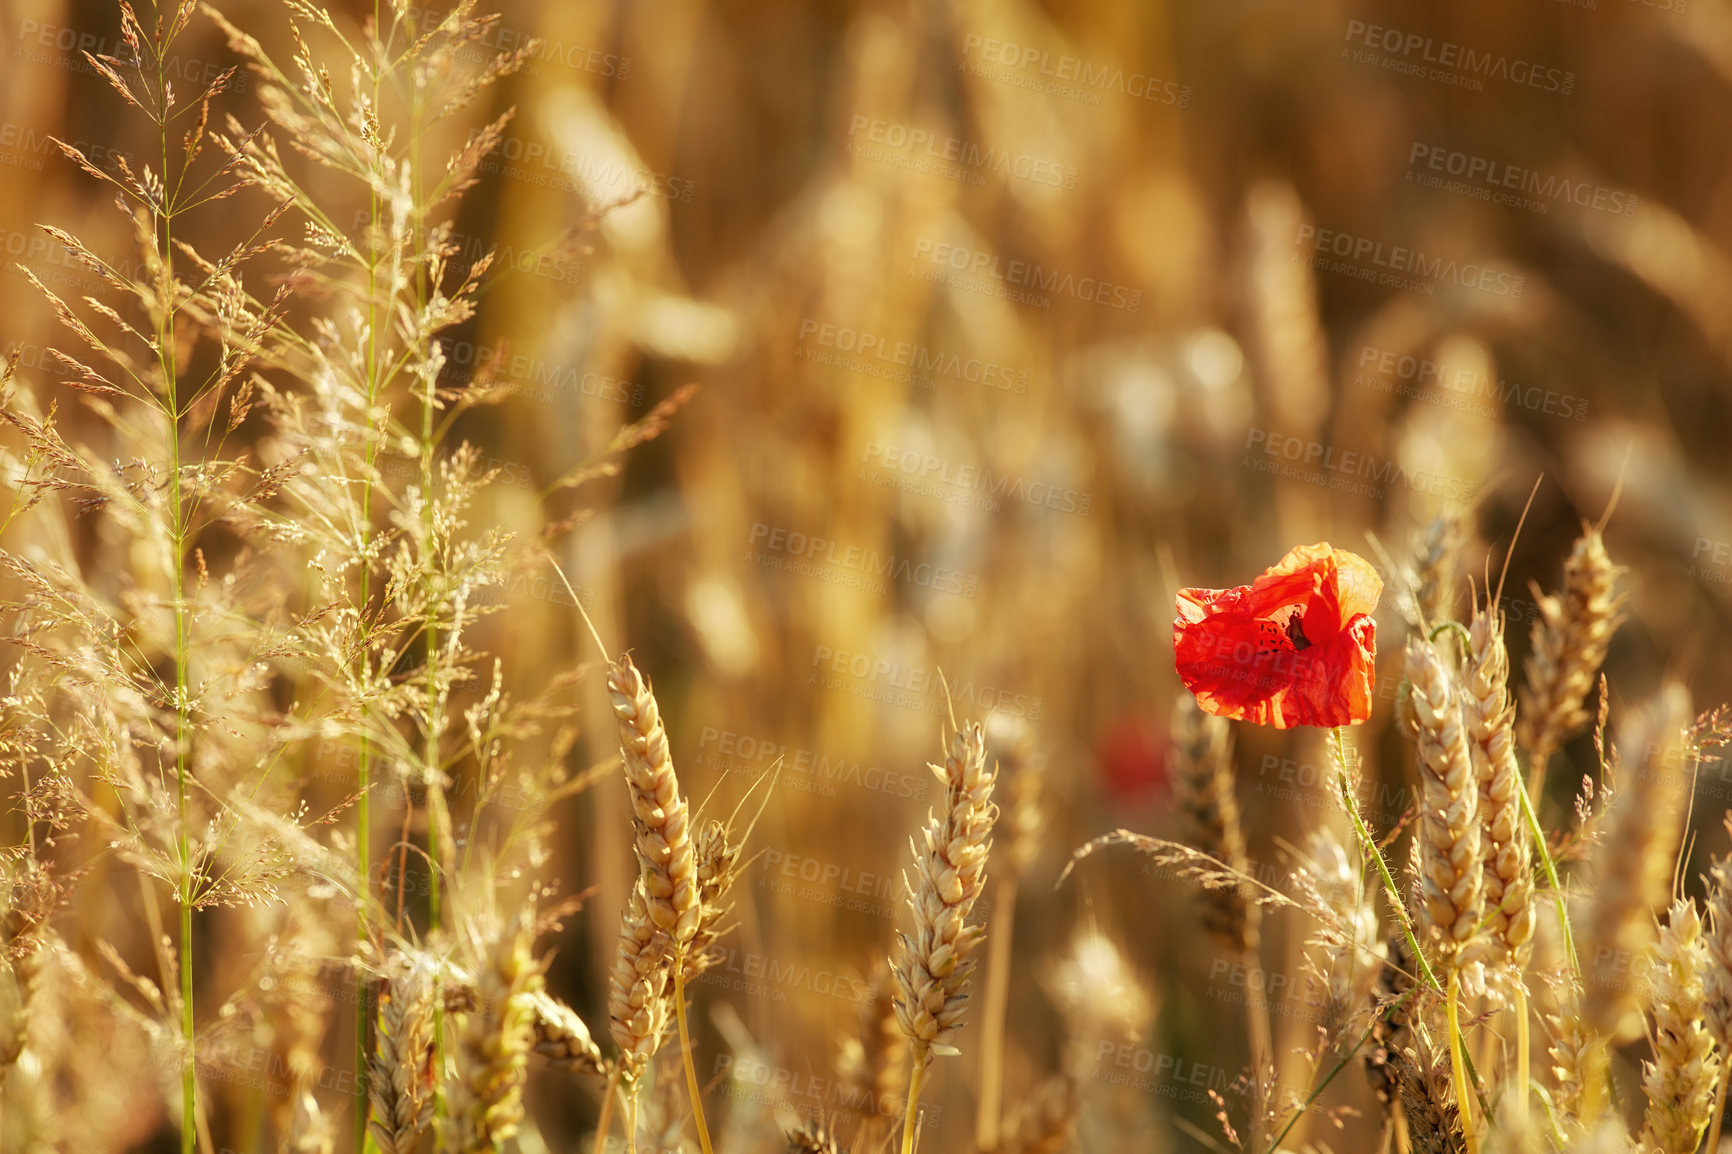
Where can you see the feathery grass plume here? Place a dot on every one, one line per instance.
(1452, 885)
(562, 1037)
(399, 1070)
(1682, 1078)
(28, 893)
(933, 964)
(493, 1047)
(1507, 850)
(1569, 645)
(1202, 777)
(1345, 952)
(1632, 865)
(813, 1138)
(667, 860)
(1044, 1122)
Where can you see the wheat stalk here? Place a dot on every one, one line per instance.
(497, 1037)
(665, 854)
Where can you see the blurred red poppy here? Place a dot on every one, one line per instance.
(1294, 647)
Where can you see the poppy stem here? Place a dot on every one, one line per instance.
(1370, 845)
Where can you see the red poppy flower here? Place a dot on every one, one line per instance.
(1294, 647)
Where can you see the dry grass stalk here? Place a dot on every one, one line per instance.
(1682, 1079)
(399, 1070)
(1209, 815)
(1632, 866)
(934, 962)
(1344, 955)
(1508, 852)
(1569, 644)
(1452, 893)
(664, 845)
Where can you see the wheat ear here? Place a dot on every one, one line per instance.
(666, 857)
(493, 1049)
(402, 1099)
(1508, 853)
(934, 961)
(1569, 644)
(1452, 884)
(1682, 1078)
(1633, 862)
(1717, 999)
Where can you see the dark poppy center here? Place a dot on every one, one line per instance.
(1296, 631)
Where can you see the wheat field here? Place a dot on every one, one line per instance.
(977, 578)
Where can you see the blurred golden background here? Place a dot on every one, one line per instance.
(1007, 320)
